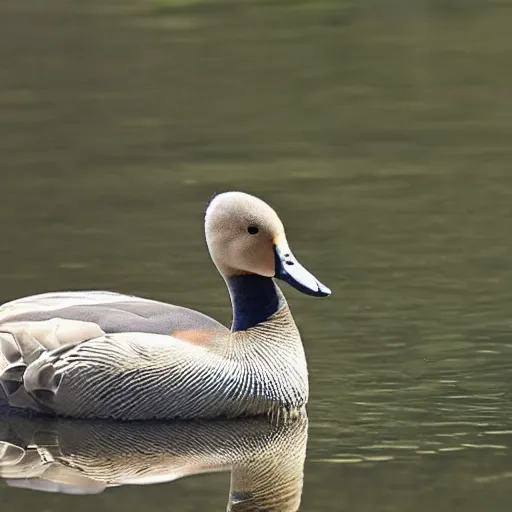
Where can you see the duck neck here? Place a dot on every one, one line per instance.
(268, 363)
(255, 299)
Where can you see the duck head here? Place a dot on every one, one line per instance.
(246, 237)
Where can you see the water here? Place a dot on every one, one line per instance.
(381, 134)
(85, 458)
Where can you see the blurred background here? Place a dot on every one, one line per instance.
(381, 133)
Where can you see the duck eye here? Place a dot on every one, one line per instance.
(252, 230)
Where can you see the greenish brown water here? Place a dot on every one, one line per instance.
(381, 133)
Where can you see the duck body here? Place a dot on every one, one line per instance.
(107, 355)
(76, 361)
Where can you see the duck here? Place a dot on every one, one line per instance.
(107, 355)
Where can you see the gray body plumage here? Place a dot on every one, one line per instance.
(113, 312)
(79, 364)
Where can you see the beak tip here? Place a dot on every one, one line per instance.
(323, 291)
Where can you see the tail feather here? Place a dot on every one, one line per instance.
(28, 378)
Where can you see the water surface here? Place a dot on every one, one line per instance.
(381, 133)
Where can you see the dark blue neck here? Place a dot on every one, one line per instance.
(255, 299)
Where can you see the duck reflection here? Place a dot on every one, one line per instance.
(266, 458)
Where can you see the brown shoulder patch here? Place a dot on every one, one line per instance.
(194, 336)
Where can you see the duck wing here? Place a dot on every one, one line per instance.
(73, 368)
(41, 340)
(23, 344)
(112, 313)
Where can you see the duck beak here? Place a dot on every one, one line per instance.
(290, 270)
